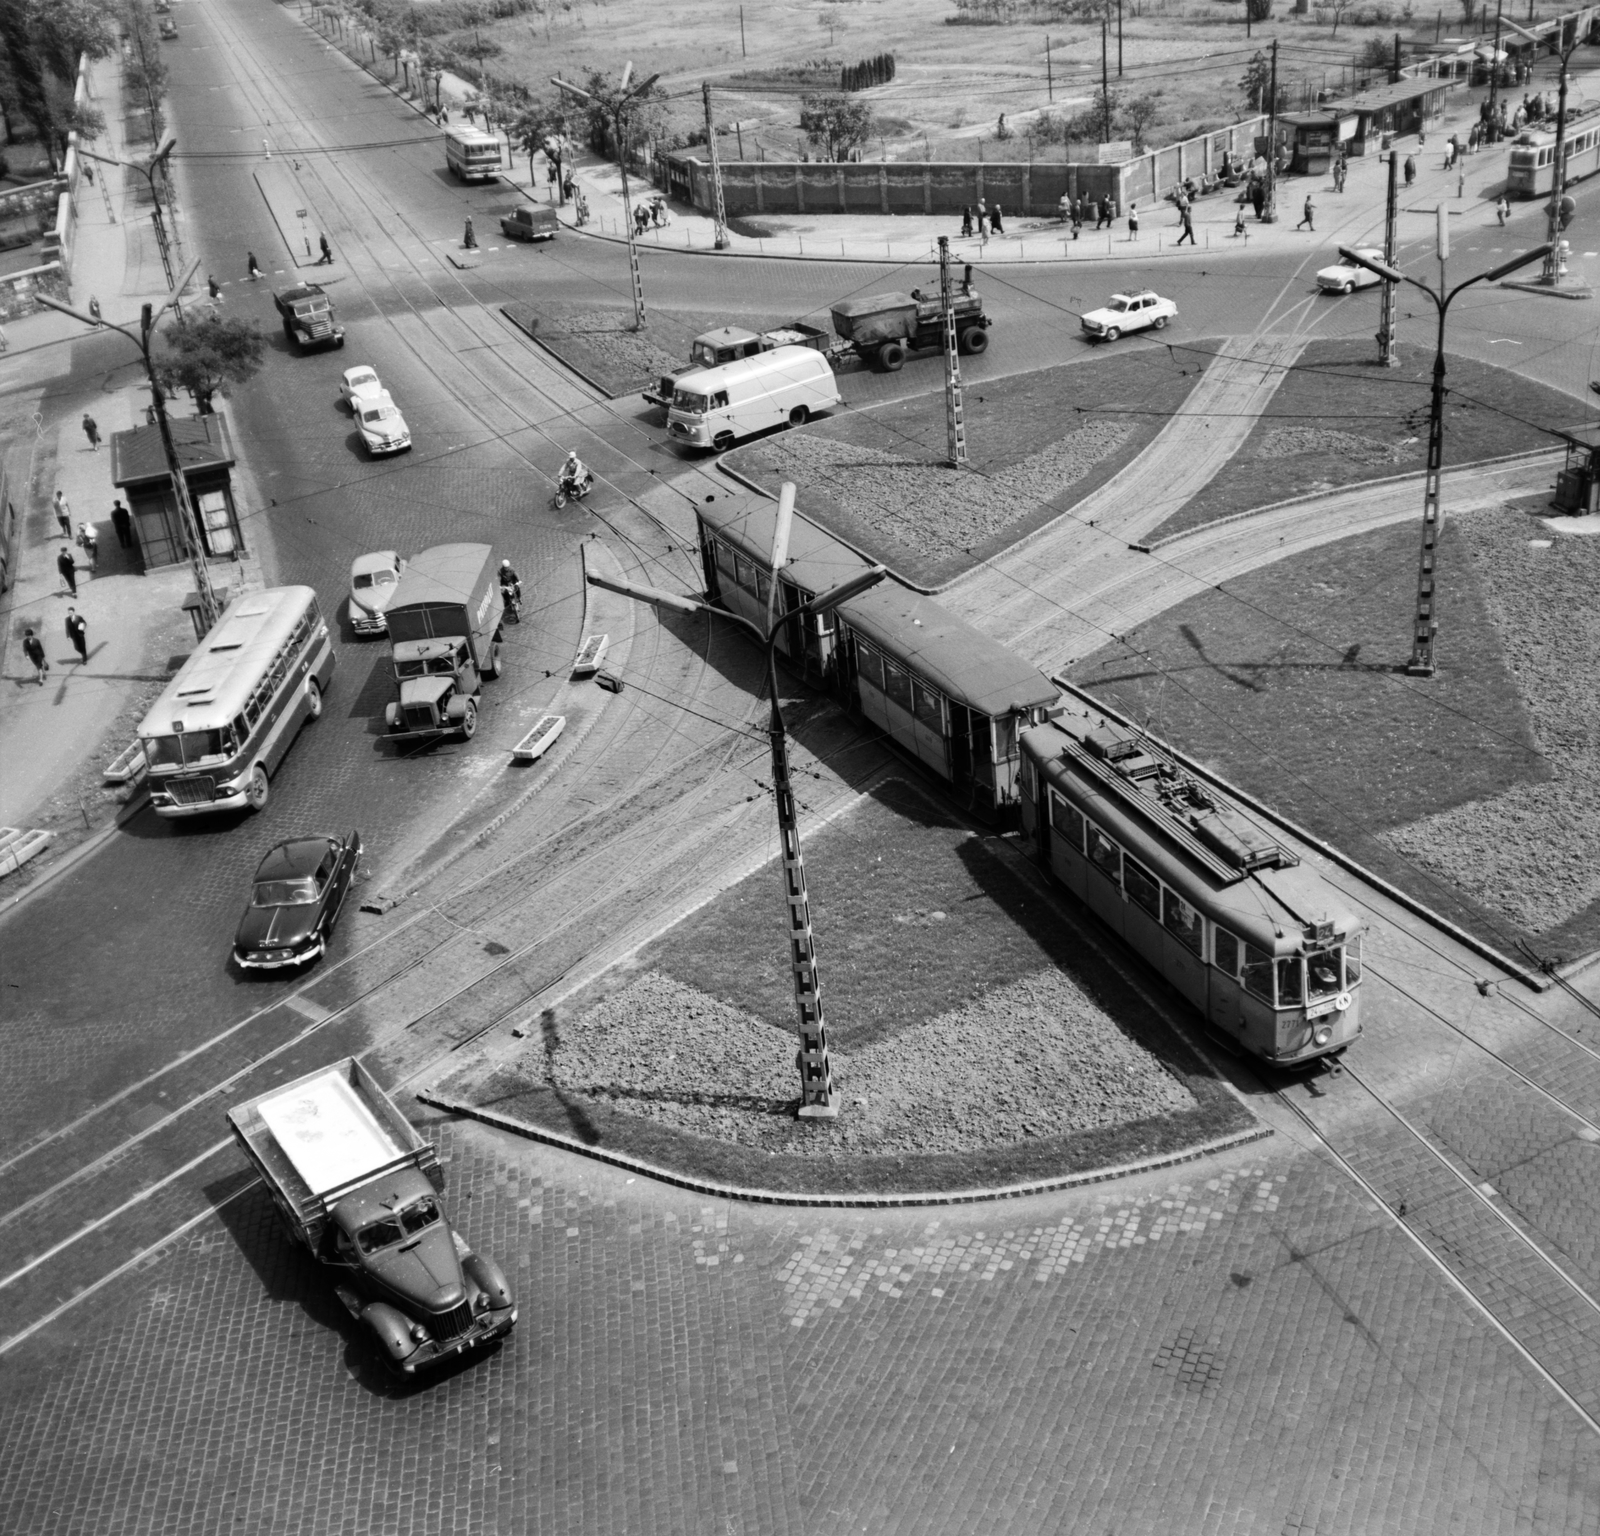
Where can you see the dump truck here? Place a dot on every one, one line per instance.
(445, 633)
(309, 318)
(728, 343)
(881, 328)
(357, 1186)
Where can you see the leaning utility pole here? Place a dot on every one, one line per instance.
(1387, 355)
(1269, 204)
(1105, 86)
(719, 213)
(955, 423)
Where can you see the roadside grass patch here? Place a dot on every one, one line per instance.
(1339, 419)
(1473, 790)
(602, 345)
(1039, 443)
(979, 1035)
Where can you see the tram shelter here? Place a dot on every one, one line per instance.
(205, 454)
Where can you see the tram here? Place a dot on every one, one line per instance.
(1530, 170)
(1262, 946)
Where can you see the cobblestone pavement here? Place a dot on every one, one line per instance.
(1242, 1345)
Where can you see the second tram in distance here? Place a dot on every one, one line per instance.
(1530, 168)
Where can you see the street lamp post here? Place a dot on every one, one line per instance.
(148, 171)
(148, 315)
(1426, 621)
(817, 1098)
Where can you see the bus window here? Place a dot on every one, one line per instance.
(1142, 886)
(1225, 951)
(1067, 822)
(1291, 982)
(1182, 921)
(1258, 972)
(1104, 854)
(1352, 960)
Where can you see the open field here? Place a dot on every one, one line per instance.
(1339, 419)
(1474, 790)
(952, 82)
(1039, 443)
(978, 1034)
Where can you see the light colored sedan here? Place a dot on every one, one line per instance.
(383, 428)
(359, 383)
(374, 580)
(1128, 312)
(1345, 276)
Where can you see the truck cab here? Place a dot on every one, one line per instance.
(309, 318)
(439, 686)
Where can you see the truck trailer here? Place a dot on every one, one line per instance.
(356, 1186)
(881, 328)
(445, 631)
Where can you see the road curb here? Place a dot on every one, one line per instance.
(531, 332)
(75, 856)
(756, 1196)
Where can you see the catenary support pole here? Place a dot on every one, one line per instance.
(955, 424)
(719, 219)
(1387, 354)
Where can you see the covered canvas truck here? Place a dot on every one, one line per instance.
(729, 343)
(444, 627)
(356, 1184)
(882, 327)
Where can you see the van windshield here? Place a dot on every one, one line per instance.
(687, 400)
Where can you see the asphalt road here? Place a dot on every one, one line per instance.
(119, 967)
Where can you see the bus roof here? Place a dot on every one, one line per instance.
(214, 684)
(473, 138)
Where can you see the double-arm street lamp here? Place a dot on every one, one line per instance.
(1426, 622)
(148, 170)
(209, 610)
(817, 1098)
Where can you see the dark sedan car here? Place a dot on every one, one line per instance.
(295, 901)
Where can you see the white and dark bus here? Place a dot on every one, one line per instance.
(472, 154)
(219, 730)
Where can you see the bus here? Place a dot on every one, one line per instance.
(1530, 168)
(220, 728)
(471, 154)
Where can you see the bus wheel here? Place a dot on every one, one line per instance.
(257, 790)
(799, 416)
(469, 721)
(313, 699)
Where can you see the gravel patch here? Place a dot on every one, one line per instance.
(1286, 442)
(917, 502)
(1533, 852)
(1037, 1057)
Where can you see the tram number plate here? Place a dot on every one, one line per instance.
(1317, 1010)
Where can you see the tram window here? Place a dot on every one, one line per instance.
(763, 587)
(1258, 972)
(744, 571)
(1322, 973)
(1142, 886)
(929, 706)
(870, 665)
(1182, 921)
(1291, 982)
(1104, 854)
(726, 561)
(1225, 951)
(897, 684)
(1067, 822)
(1352, 960)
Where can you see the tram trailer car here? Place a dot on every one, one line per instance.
(1261, 945)
(1530, 167)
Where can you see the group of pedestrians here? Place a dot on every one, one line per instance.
(33, 647)
(988, 222)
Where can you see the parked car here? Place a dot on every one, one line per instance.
(1129, 312)
(168, 28)
(374, 579)
(295, 900)
(1345, 276)
(383, 428)
(359, 383)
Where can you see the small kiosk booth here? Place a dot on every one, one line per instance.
(205, 452)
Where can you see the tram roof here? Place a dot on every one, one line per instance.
(817, 560)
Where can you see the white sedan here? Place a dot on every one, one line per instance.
(1129, 312)
(358, 383)
(1346, 276)
(383, 428)
(374, 580)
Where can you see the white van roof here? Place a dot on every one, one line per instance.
(796, 362)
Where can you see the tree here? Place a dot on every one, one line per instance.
(40, 41)
(208, 354)
(644, 116)
(544, 124)
(1139, 113)
(1338, 7)
(835, 123)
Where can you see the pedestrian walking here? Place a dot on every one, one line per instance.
(68, 568)
(122, 521)
(1411, 170)
(33, 649)
(78, 633)
(469, 240)
(966, 223)
(326, 259)
(1102, 213)
(1258, 195)
(1133, 220)
(250, 262)
(444, 114)
(1077, 218)
(983, 215)
(995, 226)
(94, 309)
(1188, 226)
(1307, 218)
(91, 430)
(214, 288)
(88, 173)
(1238, 221)
(63, 511)
(1502, 210)
(89, 540)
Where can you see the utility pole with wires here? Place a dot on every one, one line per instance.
(618, 110)
(719, 217)
(1105, 87)
(1387, 355)
(1494, 67)
(954, 421)
(1049, 73)
(1269, 205)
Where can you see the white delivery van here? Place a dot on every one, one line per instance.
(471, 154)
(715, 407)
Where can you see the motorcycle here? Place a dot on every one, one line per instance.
(568, 489)
(511, 598)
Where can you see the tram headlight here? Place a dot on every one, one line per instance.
(1322, 1034)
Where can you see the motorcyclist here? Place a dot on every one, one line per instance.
(510, 584)
(574, 474)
